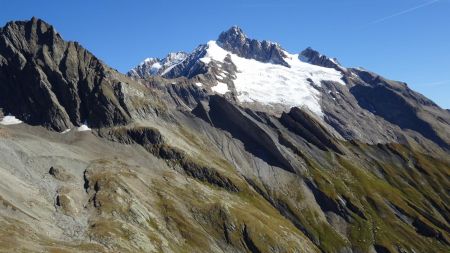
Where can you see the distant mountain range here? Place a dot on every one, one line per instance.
(353, 103)
(238, 146)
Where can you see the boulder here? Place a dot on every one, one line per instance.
(60, 173)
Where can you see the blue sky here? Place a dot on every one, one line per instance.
(407, 40)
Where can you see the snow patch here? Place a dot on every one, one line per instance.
(169, 69)
(155, 68)
(83, 128)
(65, 131)
(10, 120)
(272, 84)
(199, 84)
(220, 88)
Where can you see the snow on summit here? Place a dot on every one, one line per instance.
(272, 84)
(156, 66)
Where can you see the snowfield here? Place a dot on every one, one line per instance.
(273, 84)
(220, 88)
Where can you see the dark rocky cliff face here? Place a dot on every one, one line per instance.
(235, 41)
(47, 81)
(314, 57)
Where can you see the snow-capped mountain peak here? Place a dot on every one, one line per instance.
(252, 71)
(156, 66)
(272, 84)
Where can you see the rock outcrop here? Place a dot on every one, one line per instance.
(60, 173)
(312, 56)
(235, 41)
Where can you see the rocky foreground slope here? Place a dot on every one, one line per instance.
(187, 158)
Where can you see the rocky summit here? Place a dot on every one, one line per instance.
(238, 146)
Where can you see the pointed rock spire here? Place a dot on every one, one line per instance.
(233, 36)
